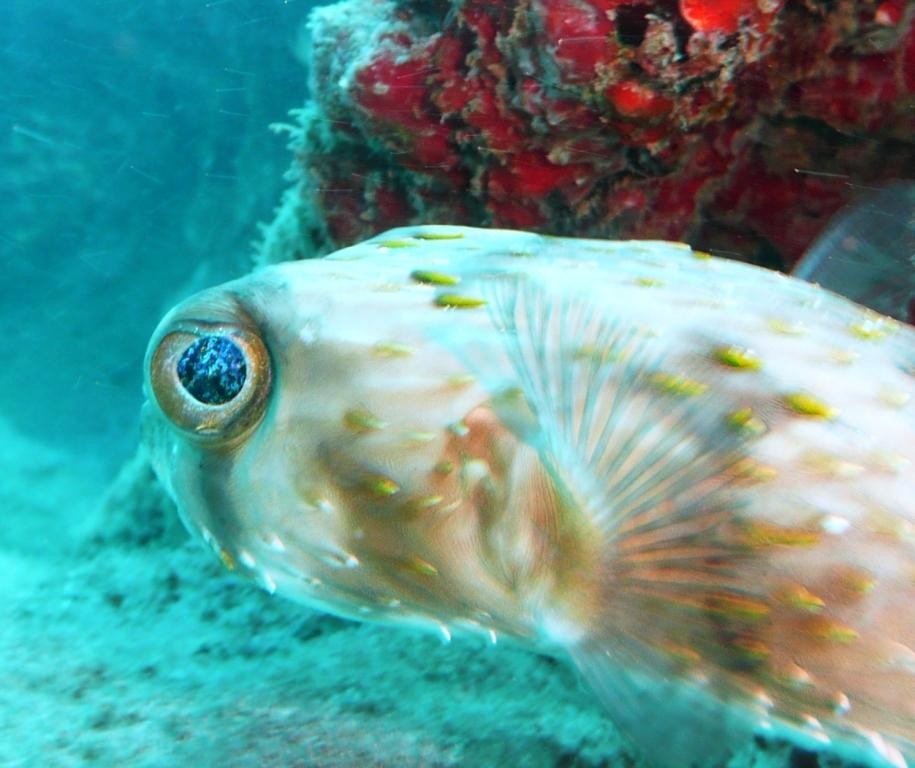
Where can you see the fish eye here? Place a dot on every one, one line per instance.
(212, 370)
(211, 379)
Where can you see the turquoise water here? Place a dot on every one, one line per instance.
(136, 160)
(135, 166)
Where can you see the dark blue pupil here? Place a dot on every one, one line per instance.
(212, 370)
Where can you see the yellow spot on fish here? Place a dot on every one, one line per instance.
(392, 349)
(887, 461)
(601, 355)
(735, 357)
(763, 473)
(758, 533)
(751, 649)
(855, 580)
(894, 398)
(397, 244)
(885, 522)
(509, 396)
(682, 653)
(750, 469)
(461, 380)
(419, 436)
(438, 235)
(830, 465)
(649, 282)
(418, 565)
(747, 422)
(702, 255)
(833, 631)
(681, 386)
(360, 420)
(457, 301)
(420, 504)
(798, 596)
(429, 277)
(873, 328)
(843, 356)
(786, 327)
(867, 331)
(807, 405)
(380, 486)
(227, 560)
(737, 606)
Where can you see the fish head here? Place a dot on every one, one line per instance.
(225, 434)
(306, 429)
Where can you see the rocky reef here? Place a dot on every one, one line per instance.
(739, 125)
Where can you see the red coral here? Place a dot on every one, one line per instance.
(576, 32)
(724, 16)
(739, 123)
(632, 99)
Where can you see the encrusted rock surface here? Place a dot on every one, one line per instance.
(740, 125)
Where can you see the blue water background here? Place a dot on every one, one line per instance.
(135, 163)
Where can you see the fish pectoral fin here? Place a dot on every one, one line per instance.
(867, 252)
(648, 463)
(628, 441)
(672, 725)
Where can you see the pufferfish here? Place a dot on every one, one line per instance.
(692, 476)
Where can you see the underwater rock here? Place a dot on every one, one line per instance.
(737, 125)
(136, 511)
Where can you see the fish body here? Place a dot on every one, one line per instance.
(691, 475)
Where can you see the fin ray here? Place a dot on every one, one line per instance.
(606, 432)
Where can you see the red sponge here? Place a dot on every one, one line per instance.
(738, 125)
